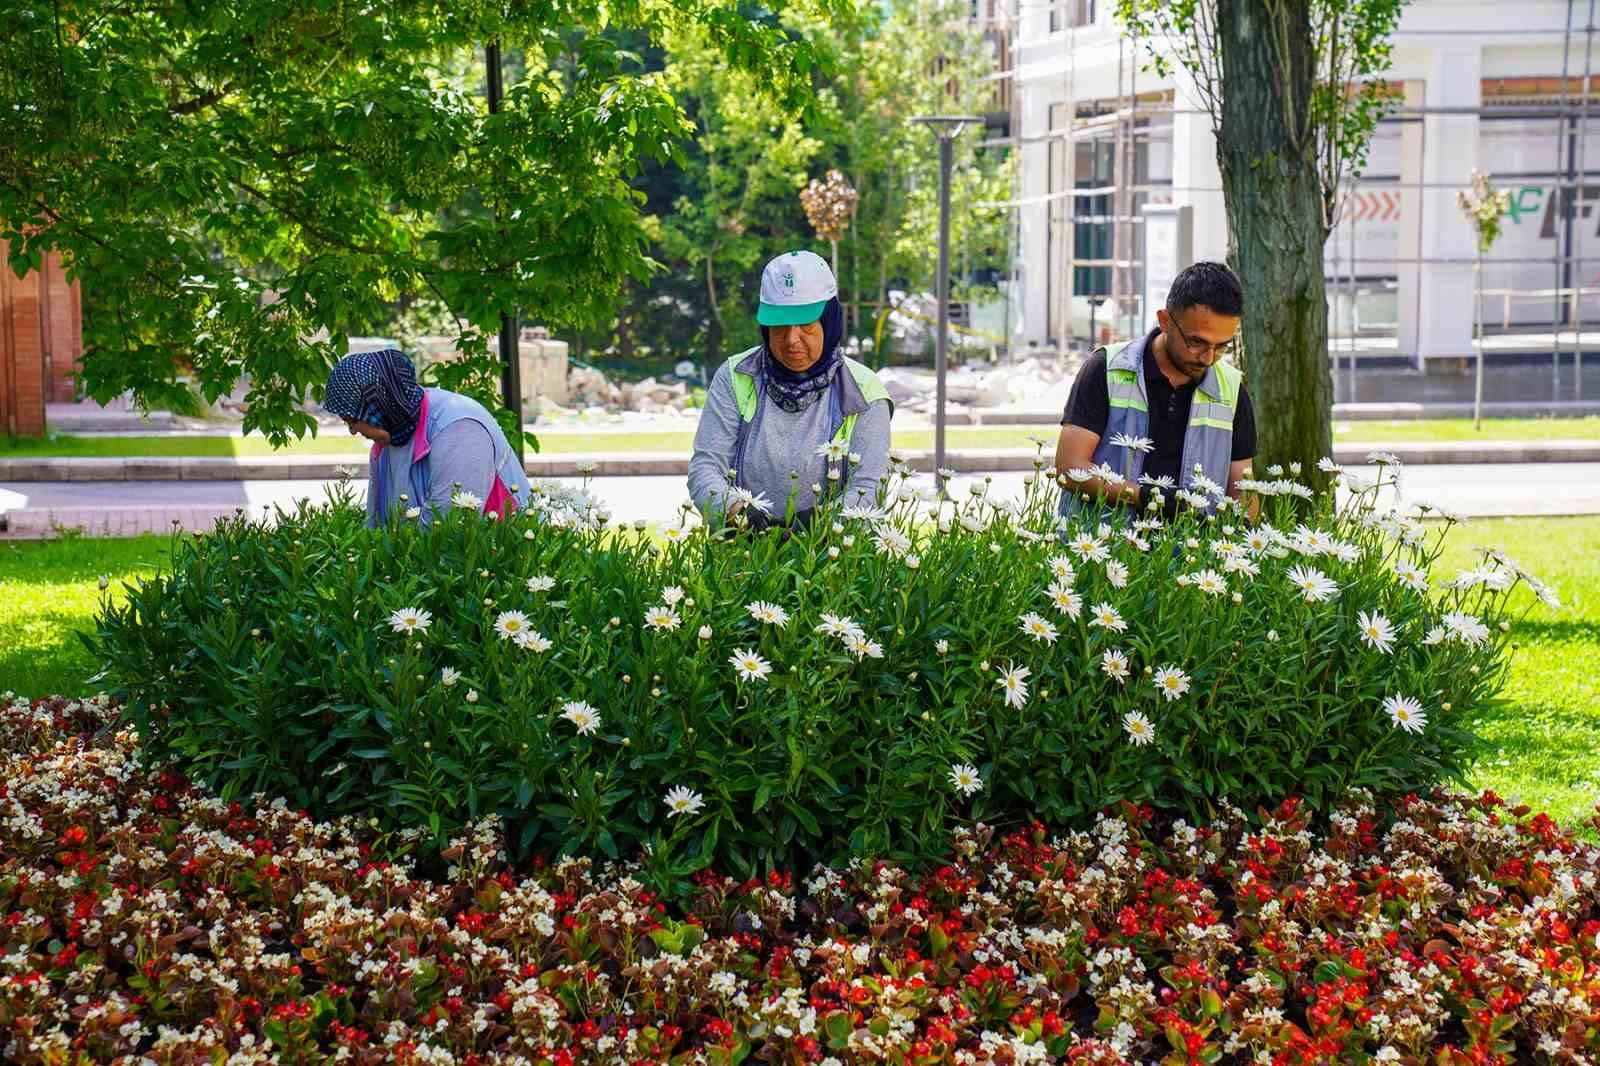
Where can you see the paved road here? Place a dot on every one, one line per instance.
(127, 507)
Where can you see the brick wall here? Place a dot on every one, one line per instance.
(41, 343)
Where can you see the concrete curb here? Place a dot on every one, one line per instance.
(637, 464)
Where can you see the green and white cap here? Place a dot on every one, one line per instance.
(795, 287)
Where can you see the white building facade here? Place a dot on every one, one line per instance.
(1495, 86)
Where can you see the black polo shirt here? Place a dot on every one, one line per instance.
(1089, 406)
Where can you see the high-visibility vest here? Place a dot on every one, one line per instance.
(847, 399)
(1207, 440)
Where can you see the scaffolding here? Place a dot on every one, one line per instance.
(1093, 223)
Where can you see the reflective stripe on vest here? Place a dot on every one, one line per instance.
(746, 396)
(1207, 439)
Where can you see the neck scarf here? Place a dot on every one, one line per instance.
(797, 391)
(379, 388)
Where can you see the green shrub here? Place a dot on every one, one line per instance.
(270, 660)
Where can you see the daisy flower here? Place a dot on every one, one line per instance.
(583, 717)
(755, 500)
(892, 542)
(1328, 466)
(1136, 444)
(1114, 664)
(833, 450)
(1089, 548)
(675, 534)
(1209, 581)
(682, 800)
(1200, 483)
(1376, 631)
(1014, 679)
(749, 665)
(1037, 627)
(1406, 713)
(964, 779)
(770, 613)
(1106, 617)
(410, 620)
(1313, 584)
(511, 624)
(1308, 541)
(1411, 575)
(534, 641)
(541, 583)
(466, 500)
(941, 646)
(449, 676)
(662, 618)
(1466, 628)
(1061, 568)
(1258, 541)
(1240, 564)
(1383, 458)
(862, 648)
(838, 625)
(1137, 726)
(1067, 601)
(1105, 472)
(1117, 574)
(1171, 682)
(672, 595)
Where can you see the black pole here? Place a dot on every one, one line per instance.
(942, 292)
(510, 349)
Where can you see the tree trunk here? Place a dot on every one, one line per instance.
(1275, 226)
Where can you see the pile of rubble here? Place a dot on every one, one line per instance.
(1037, 383)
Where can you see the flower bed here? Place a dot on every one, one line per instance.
(145, 917)
(857, 688)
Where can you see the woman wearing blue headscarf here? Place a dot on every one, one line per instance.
(794, 419)
(431, 449)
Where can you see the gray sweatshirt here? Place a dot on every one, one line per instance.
(785, 441)
(462, 453)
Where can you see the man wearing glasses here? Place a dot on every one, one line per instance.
(1149, 412)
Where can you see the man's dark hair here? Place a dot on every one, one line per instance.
(1207, 284)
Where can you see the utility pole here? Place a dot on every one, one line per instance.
(510, 349)
(946, 128)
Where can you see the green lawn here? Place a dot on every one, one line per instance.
(48, 592)
(567, 441)
(1547, 738)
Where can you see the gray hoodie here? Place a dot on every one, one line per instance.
(783, 441)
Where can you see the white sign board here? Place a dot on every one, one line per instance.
(1168, 248)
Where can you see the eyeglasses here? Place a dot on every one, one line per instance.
(1224, 348)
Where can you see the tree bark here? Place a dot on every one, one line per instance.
(1275, 226)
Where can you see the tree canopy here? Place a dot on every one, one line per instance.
(243, 183)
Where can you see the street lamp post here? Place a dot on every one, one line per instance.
(510, 349)
(946, 128)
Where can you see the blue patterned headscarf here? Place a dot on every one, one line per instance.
(379, 388)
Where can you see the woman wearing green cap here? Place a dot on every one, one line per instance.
(793, 420)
